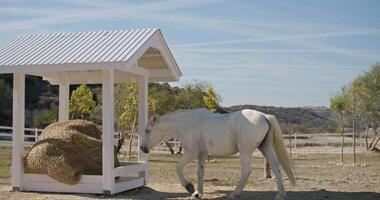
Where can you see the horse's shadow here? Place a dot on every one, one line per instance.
(149, 193)
(304, 195)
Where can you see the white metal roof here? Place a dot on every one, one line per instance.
(80, 47)
(87, 51)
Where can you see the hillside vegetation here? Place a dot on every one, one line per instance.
(42, 99)
(315, 118)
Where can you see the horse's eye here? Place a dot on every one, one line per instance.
(147, 131)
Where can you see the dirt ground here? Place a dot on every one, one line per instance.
(319, 176)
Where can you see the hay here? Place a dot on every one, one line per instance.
(66, 150)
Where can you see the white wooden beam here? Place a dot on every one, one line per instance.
(18, 130)
(143, 118)
(66, 67)
(108, 129)
(89, 77)
(64, 98)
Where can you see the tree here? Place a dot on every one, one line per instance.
(126, 109)
(351, 94)
(366, 91)
(191, 96)
(338, 104)
(47, 117)
(81, 102)
(211, 100)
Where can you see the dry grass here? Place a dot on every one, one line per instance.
(319, 176)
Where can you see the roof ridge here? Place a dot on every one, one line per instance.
(77, 32)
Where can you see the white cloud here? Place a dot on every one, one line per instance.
(285, 38)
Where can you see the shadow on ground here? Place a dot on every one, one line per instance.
(149, 193)
(307, 195)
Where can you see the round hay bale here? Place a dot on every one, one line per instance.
(66, 150)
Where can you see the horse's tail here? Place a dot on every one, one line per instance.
(279, 147)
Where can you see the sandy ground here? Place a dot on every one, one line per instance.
(319, 176)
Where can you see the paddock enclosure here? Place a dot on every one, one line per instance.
(101, 57)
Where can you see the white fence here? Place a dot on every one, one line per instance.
(297, 143)
(31, 134)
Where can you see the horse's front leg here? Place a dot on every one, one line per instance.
(245, 162)
(186, 158)
(201, 173)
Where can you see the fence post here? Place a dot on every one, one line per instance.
(35, 134)
(295, 141)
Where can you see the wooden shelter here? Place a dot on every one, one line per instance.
(101, 57)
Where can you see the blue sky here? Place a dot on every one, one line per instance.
(281, 53)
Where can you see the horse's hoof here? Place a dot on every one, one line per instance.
(196, 195)
(279, 196)
(190, 188)
(234, 196)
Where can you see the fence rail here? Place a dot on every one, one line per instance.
(296, 142)
(31, 134)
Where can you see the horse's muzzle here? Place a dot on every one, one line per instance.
(144, 149)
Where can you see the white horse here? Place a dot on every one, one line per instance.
(202, 132)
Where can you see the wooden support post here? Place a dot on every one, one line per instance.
(108, 129)
(143, 119)
(295, 141)
(64, 99)
(18, 131)
(290, 144)
(353, 131)
(266, 164)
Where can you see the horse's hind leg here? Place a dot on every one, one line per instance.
(267, 150)
(186, 158)
(201, 173)
(245, 162)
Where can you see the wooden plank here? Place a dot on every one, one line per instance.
(143, 119)
(92, 179)
(124, 184)
(60, 187)
(18, 131)
(129, 168)
(64, 93)
(108, 130)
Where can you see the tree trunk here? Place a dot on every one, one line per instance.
(341, 133)
(130, 146)
(375, 144)
(290, 144)
(354, 140)
(179, 149)
(120, 141)
(267, 173)
(133, 131)
(373, 139)
(170, 147)
(366, 136)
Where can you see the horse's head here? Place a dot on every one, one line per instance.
(154, 133)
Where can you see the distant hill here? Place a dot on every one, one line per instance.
(316, 117)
